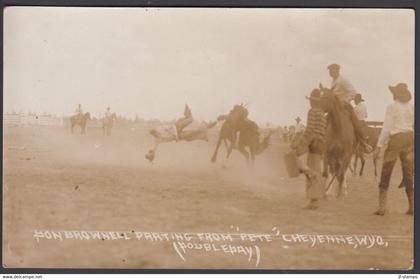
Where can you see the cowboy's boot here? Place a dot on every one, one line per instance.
(410, 196)
(382, 202)
(313, 204)
(303, 167)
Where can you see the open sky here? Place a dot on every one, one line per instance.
(150, 62)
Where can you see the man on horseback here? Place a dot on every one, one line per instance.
(345, 92)
(79, 110)
(312, 141)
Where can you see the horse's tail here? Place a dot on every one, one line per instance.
(222, 117)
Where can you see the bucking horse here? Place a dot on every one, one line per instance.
(249, 135)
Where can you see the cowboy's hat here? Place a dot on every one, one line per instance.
(315, 95)
(400, 92)
(333, 67)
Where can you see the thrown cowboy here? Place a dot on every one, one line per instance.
(345, 92)
(184, 128)
(312, 141)
(398, 135)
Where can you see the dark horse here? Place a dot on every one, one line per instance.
(340, 139)
(249, 136)
(108, 123)
(80, 120)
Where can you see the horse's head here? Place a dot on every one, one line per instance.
(237, 115)
(329, 101)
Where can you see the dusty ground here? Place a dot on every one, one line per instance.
(57, 181)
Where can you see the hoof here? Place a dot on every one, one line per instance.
(311, 207)
(150, 155)
(379, 212)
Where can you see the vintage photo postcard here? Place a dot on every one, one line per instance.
(198, 138)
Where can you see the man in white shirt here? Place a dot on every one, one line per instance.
(108, 112)
(300, 128)
(398, 135)
(342, 87)
(360, 108)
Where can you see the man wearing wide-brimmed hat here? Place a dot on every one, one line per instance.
(312, 141)
(398, 135)
(299, 128)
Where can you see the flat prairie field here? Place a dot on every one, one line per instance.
(182, 211)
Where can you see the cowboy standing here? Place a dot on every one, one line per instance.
(79, 110)
(108, 112)
(345, 92)
(312, 141)
(398, 134)
(361, 112)
(300, 128)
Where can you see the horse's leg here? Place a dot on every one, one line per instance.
(325, 167)
(226, 144)
(342, 176)
(252, 151)
(356, 158)
(241, 149)
(340, 181)
(375, 165)
(362, 159)
(214, 157)
(229, 151)
(72, 126)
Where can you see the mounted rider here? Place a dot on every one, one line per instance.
(345, 92)
(79, 110)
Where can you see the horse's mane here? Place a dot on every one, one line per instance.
(335, 108)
